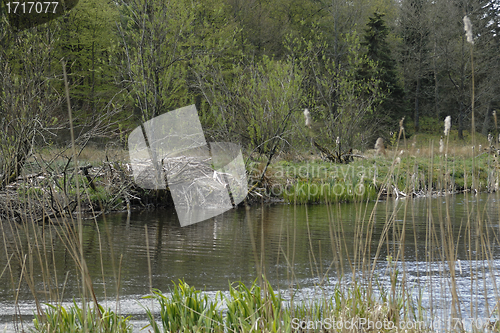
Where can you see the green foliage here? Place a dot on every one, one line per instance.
(264, 24)
(247, 308)
(254, 102)
(88, 43)
(339, 98)
(28, 192)
(415, 33)
(158, 40)
(27, 99)
(364, 179)
(393, 140)
(234, 59)
(260, 309)
(59, 319)
(257, 308)
(431, 125)
(379, 51)
(375, 41)
(185, 309)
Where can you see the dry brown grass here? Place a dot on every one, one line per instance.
(427, 145)
(90, 154)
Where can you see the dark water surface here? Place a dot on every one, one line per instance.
(293, 245)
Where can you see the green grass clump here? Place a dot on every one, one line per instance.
(58, 319)
(256, 308)
(185, 309)
(259, 309)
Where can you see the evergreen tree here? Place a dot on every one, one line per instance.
(486, 27)
(379, 51)
(416, 62)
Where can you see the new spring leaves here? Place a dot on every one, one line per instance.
(204, 180)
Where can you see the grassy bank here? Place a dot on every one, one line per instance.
(408, 168)
(411, 168)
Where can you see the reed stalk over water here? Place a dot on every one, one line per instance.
(363, 271)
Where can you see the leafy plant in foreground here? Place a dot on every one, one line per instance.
(256, 309)
(58, 319)
(186, 309)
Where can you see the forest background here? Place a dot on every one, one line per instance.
(251, 67)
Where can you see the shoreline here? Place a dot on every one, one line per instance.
(110, 187)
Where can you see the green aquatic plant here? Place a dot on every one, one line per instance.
(257, 309)
(58, 319)
(184, 309)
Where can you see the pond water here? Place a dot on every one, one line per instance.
(295, 246)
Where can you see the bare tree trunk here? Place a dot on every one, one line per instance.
(487, 120)
(436, 86)
(417, 96)
(461, 116)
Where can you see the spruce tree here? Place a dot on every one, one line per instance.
(416, 60)
(378, 50)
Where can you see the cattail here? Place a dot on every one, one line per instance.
(379, 146)
(468, 29)
(441, 146)
(307, 116)
(447, 125)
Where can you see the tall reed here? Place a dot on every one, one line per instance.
(363, 273)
